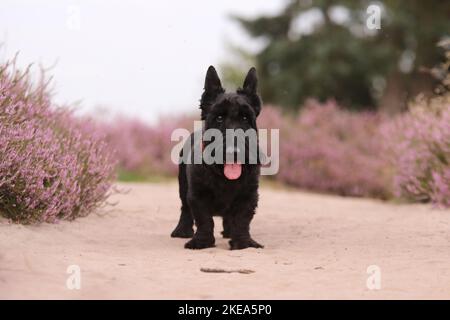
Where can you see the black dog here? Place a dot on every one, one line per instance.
(228, 190)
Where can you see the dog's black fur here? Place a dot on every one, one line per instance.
(204, 189)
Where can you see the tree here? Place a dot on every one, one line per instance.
(339, 57)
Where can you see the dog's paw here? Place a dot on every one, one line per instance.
(182, 232)
(196, 243)
(244, 243)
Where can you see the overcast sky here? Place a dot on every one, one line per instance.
(141, 58)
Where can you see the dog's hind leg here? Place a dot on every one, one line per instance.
(184, 229)
(226, 233)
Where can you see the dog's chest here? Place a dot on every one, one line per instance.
(223, 197)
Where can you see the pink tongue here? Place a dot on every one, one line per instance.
(232, 170)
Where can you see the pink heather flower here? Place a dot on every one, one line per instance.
(327, 149)
(53, 165)
(419, 142)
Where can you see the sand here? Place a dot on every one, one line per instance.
(316, 247)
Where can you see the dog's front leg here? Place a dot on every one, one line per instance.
(240, 230)
(204, 235)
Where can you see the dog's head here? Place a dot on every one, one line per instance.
(233, 111)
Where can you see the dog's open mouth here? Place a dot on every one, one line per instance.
(232, 170)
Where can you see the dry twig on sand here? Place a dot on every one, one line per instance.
(218, 270)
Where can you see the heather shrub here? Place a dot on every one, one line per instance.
(144, 149)
(328, 149)
(271, 117)
(324, 149)
(53, 165)
(419, 142)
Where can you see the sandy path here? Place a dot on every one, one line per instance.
(316, 247)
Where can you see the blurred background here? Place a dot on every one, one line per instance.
(302, 49)
(358, 89)
(328, 48)
(140, 58)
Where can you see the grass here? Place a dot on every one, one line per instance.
(130, 176)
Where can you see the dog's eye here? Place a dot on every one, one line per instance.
(244, 118)
(219, 119)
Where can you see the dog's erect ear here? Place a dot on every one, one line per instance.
(212, 81)
(212, 89)
(251, 81)
(249, 89)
